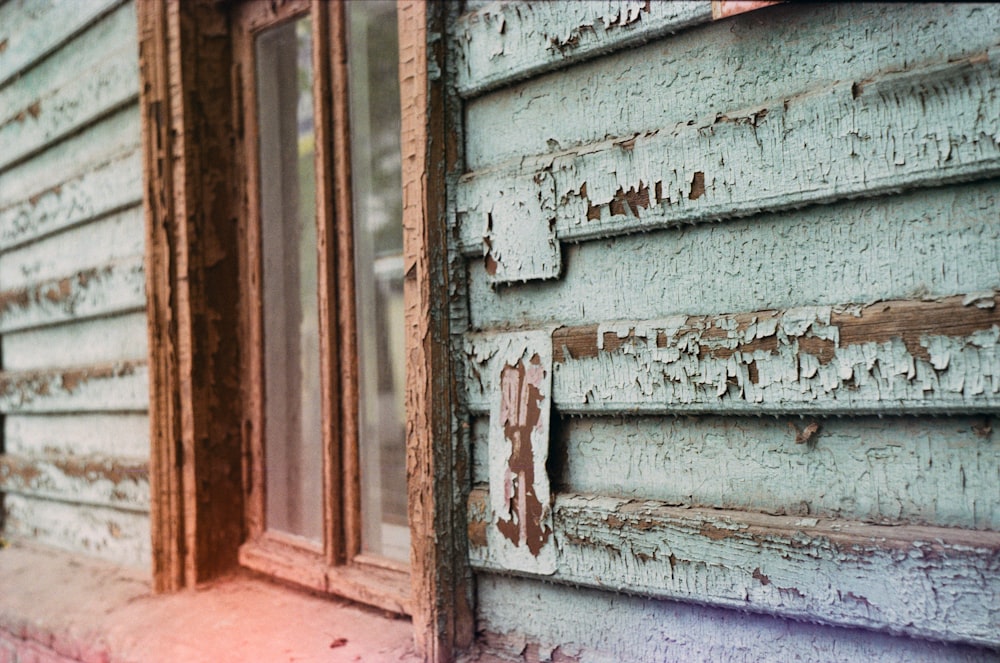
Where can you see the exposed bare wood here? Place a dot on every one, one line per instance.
(192, 270)
(442, 617)
(832, 571)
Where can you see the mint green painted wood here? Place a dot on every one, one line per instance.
(591, 626)
(113, 435)
(932, 242)
(939, 472)
(741, 63)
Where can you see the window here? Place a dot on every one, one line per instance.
(323, 293)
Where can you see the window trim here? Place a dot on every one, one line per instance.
(192, 268)
(338, 566)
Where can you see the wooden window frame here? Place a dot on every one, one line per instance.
(191, 126)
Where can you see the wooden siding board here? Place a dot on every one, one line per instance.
(890, 357)
(91, 46)
(929, 126)
(93, 245)
(939, 472)
(720, 68)
(29, 31)
(117, 435)
(924, 582)
(115, 288)
(57, 113)
(525, 620)
(87, 342)
(102, 189)
(122, 387)
(851, 251)
(113, 534)
(503, 42)
(78, 161)
(92, 480)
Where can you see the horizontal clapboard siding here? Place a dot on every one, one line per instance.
(74, 384)
(898, 131)
(935, 583)
(719, 69)
(887, 358)
(521, 619)
(854, 251)
(790, 213)
(938, 472)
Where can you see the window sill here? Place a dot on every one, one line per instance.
(87, 610)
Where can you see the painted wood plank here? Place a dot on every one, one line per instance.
(112, 534)
(928, 126)
(92, 480)
(86, 342)
(919, 471)
(66, 163)
(103, 189)
(118, 435)
(521, 523)
(31, 29)
(903, 356)
(115, 288)
(933, 583)
(122, 387)
(524, 620)
(44, 119)
(719, 68)
(823, 255)
(503, 42)
(116, 237)
(88, 48)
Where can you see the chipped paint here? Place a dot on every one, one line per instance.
(518, 239)
(868, 153)
(503, 42)
(904, 356)
(925, 582)
(95, 480)
(518, 449)
(119, 387)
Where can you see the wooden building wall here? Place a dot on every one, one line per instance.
(73, 386)
(732, 362)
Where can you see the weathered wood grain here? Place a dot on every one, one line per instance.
(31, 30)
(522, 620)
(859, 251)
(122, 387)
(719, 68)
(903, 356)
(85, 480)
(115, 288)
(80, 248)
(928, 126)
(503, 42)
(103, 340)
(926, 582)
(436, 453)
(116, 435)
(55, 113)
(114, 534)
(939, 472)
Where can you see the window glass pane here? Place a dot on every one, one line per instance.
(293, 445)
(378, 235)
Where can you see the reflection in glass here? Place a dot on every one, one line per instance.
(373, 53)
(293, 437)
